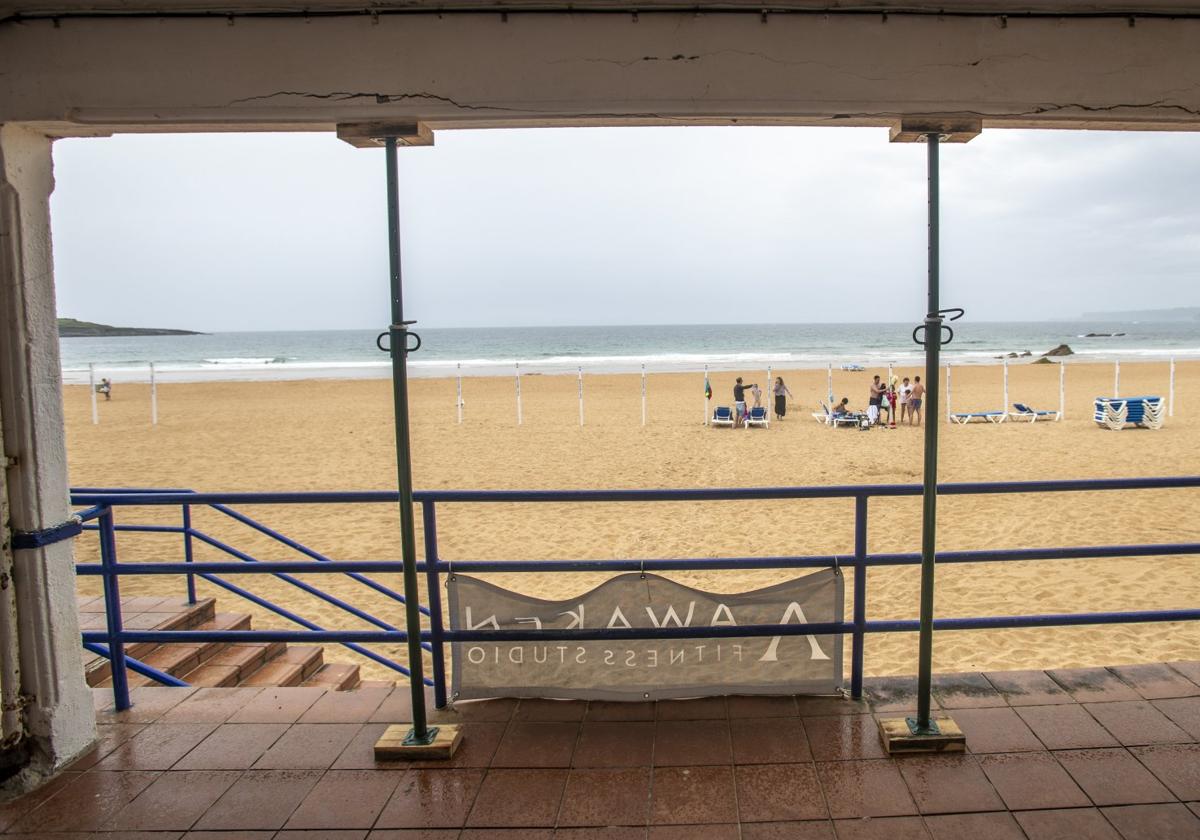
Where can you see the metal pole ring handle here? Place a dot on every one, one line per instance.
(920, 328)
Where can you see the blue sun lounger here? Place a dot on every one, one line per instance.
(1024, 412)
(965, 417)
(722, 416)
(757, 417)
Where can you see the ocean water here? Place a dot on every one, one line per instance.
(494, 351)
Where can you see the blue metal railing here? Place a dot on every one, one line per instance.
(100, 504)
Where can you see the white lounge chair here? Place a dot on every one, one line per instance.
(758, 417)
(965, 417)
(723, 416)
(1024, 412)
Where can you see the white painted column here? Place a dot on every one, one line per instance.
(60, 718)
(153, 397)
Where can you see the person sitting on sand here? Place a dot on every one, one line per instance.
(739, 401)
(105, 388)
(914, 402)
(781, 392)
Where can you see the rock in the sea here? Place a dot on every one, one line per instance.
(1060, 350)
(1026, 353)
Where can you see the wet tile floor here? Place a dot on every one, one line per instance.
(1085, 753)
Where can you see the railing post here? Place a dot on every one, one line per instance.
(433, 585)
(112, 610)
(860, 596)
(187, 552)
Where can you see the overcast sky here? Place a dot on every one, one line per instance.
(620, 226)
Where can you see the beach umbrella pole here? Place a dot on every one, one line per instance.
(153, 397)
(92, 388)
(1062, 390)
(458, 397)
(580, 396)
(643, 394)
(1004, 405)
(949, 418)
(829, 383)
(517, 368)
(1117, 378)
(707, 398)
(1171, 391)
(420, 735)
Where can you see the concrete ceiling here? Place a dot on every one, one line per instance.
(70, 8)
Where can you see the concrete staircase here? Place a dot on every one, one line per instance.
(211, 664)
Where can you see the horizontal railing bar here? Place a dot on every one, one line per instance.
(88, 514)
(146, 529)
(137, 666)
(637, 495)
(676, 564)
(653, 633)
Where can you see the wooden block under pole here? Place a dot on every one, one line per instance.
(391, 746)
(898, 737)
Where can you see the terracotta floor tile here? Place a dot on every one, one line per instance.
(109, 736)
(1070, 824)
(690, 832)
(233, 746)
(173, 801)
(156, 747)
(965, 691)
(229, 835)
(1184, 713)
(506, 834)
(277, 705)
(769, 741)
(891, 694)
(1154, 822)
(422, 834)
(527, 745)
(606, 797)
(1156, 681)
(346, 799)
(869, 788)
(779, 792)
(359, 754)
(701, 708)
(323, 834)
(149, 704)
(1028, 688)
(518, 798)
(611, 832)
(499, 710)
(881, 828)
(14, 809)
(345, 706)
(1195, 806)
(211, 705)
(1175, 765)
(1066, 727)
(996, 826)
(692, 742)
(431, 799)
(308, 746)
(396, 707)
(607, 710)
(86, 802)
(767, 706)
(1112, 777)
(1093, 685)
(807, 830)
(691, 795)
(261, 800)
(1028, 781)
(995, 730)
(825, 706)
(536, 709)
(478, 747)
(1137, 722)
(615, 744)
(844, 737)
(948, 784)
(1189, 669)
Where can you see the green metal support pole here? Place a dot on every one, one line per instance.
(923, 724)
(398, 336)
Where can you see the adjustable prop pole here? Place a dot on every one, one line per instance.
(420, 734)
(924, 725)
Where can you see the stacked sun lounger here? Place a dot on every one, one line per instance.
(1118, 412)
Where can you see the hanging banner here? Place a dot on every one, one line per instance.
(647, 669)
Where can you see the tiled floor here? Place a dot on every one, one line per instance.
(1086, 753)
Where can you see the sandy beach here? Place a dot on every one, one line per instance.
(338, 435)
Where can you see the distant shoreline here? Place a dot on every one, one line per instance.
(72, 328)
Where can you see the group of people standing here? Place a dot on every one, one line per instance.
(778, 389)
(884, 397)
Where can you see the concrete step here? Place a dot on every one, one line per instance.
(335, 676)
